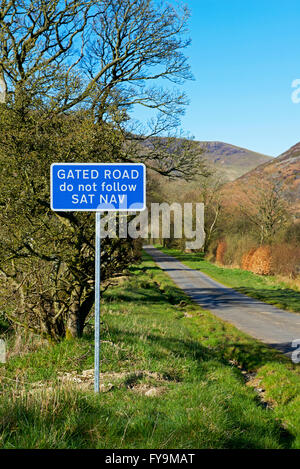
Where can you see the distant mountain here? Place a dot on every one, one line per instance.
(285, 169)
(231, 161)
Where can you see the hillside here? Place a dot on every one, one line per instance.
(285, 168)
(231, 161)
(228, 161)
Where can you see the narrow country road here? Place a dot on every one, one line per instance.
(273, 326)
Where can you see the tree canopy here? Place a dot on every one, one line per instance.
(70, 73)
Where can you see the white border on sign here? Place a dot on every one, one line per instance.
(96, 209)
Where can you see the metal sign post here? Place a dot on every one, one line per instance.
(97, 300)
(98, 187)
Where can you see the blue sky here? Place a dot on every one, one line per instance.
(244, 55)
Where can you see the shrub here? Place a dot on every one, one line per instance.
(246, 259)
(261, 261)
(280, 259)
(292, 234)
(285, 259)
(237, 245)
(221, 249)
(212, 251)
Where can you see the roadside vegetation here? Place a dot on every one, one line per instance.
(173, 376)
(270, 289)
(251, 226)
(68, 84)
(252, 241)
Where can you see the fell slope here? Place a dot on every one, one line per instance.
(284, 169)
(231, 161)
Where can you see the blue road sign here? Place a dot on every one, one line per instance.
(98, 187)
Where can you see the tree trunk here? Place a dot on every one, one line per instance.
(74, 329)
(78, 313)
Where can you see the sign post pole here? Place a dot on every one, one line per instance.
(97, 300)
(97, 187)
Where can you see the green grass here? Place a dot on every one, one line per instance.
(149, 324)
(268, 289)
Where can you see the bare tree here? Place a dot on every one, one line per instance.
(265, 208)
(208, 190)
(72, 70)
(36, 40)
(112, 48)
(108, 57)
(136, 44)
(211, 190)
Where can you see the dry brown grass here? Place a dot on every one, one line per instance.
(246, 259)
(261, 261)
(24, 342)
(286, 259)
(220, 253)
(278, 259)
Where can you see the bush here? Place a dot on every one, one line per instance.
(221, 249)
(237, 245)
(212, 251)
(292, 234)
(246, 259)
(285, 259)
(278, 259)
(261, 261)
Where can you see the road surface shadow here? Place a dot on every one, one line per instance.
(284, 298)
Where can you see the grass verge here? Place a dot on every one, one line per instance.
(195, 362)
(268, 289)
